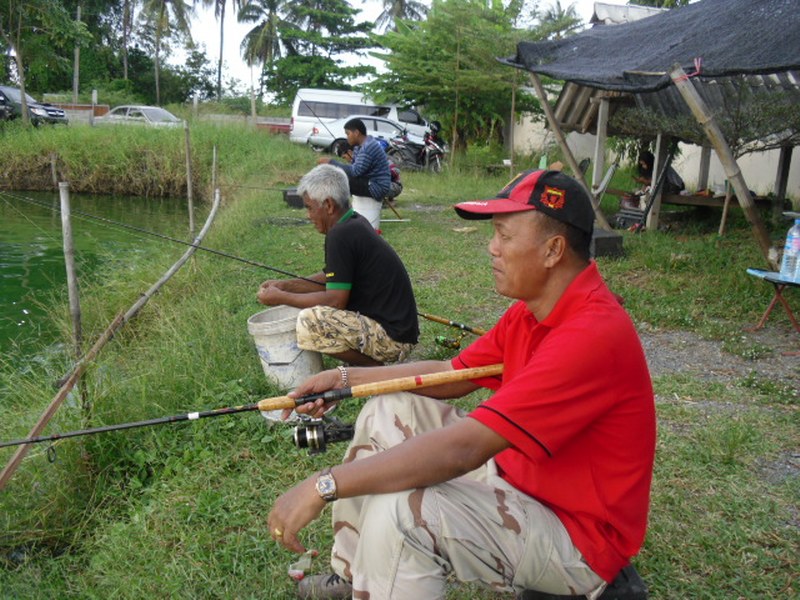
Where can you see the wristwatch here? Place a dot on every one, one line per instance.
(326, 485)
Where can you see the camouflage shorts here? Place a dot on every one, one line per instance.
(331, 331)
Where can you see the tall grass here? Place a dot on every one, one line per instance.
(180, 510)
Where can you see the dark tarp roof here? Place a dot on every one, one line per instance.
(732, 37)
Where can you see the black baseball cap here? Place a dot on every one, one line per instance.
(552, 192)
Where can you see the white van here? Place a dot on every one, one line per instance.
(314, 106)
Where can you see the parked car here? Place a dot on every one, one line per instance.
(39, 112)
(330, 137)
(6, 112)
(154, 116)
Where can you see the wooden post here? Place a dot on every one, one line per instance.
(513, 123)
(717, 139)
(72, 288)
(562, 142)
(213, 170)
(725, 207)
(54, 169)
(69, 261)
(705, 163)
(659, 163)
(189, 199)
(253, 98)
(598, 168)
(781, 179)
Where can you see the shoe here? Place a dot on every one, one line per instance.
(324, 586)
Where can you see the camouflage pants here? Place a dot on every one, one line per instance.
(477, 527)
(331, 331)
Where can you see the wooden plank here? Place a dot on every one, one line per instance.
(711, 201)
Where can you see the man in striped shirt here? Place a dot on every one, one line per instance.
(369, 174)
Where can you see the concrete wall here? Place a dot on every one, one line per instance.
(759, 169)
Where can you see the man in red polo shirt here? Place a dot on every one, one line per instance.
(544, 486)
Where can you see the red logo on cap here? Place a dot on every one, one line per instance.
(553, 197)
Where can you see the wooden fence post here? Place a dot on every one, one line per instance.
(189, 198)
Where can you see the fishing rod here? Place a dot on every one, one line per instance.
(247, 261)
(452, 343)
(317, 117)
(455, 324)
(400, 384)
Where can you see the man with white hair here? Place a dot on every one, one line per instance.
(360, 308)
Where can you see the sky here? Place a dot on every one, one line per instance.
(205, 31)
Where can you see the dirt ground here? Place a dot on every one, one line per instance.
(680, 352)
(686, 353)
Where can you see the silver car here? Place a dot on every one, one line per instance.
(153, 116)
(331, 137)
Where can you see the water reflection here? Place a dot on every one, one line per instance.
(31, 252)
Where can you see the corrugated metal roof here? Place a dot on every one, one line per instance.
(616, 14)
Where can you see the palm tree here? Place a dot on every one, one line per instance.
(219, 13)
(128, 7)
(557, 22)
(262, 44)
(400, 9)
(166, 17)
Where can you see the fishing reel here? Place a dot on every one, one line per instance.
(451, 343)
(316, 434)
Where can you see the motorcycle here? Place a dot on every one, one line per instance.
(416, 157)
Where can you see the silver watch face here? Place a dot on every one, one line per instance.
(326, 486)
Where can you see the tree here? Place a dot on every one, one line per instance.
(28, 22)
(400, 9)
(163, 19)
(219, 13)
(557, 22)
(314, 33)
(448, 64)
(262, 44)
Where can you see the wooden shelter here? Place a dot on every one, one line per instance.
(724, 74)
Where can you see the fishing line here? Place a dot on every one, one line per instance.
(44, 204)
(169, 238)
(246, 261)
(44, 232)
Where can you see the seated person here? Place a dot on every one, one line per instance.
(543, 486)
(360, 308)
(673, 184)
(369, 173)
(346, 152)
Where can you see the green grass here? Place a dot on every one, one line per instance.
(180, 510)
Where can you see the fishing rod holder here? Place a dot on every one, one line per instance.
(316, 434)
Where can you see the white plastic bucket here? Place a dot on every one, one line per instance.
(275, 336)
(369, 208)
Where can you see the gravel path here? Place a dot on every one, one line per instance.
(686, 353)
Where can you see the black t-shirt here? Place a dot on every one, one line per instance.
(358, 259)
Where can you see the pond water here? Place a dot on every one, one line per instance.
(32, 271)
